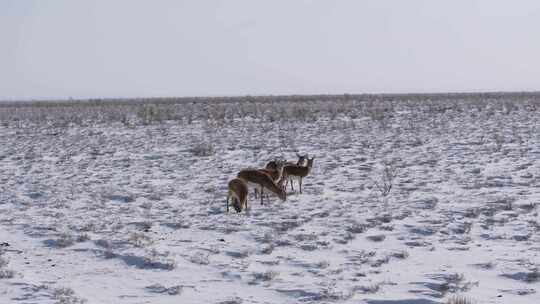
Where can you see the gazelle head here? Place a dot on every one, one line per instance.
(301, 159)
(276, 164)
(310, 162)
(237, 205)
(272, 165)
(279, 165)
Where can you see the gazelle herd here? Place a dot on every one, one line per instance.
(274, 177)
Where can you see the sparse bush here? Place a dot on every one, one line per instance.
(377, 114)
(331, 293)
(386, 182)
(373, 288)
(357, 228)
(400, 255)
(266, 238)
(103, 243)
(534, 224)
(65, 240)
(454, 283)
(463, 228)
(486, 266)
(347, 237)
(300, 112)
(533, 276)
(157, 260)
(268, 249)
(140, 239)
(498, 139)
(472, 213)
(386, 227)
(457, 299)
(83, 237)
(158, 288)
(384, 218)
(235, 300)
(363, 257)
(381, 261)
(507, 206)
(202, 149)
(521, 237)
(528, 207)
(66, 295)
(108, 248)
(322, 264)
(242, 254)
(200, 258)
(6, 273)
(3, 261)
(265, 276)
(150, 113)
(376, 238)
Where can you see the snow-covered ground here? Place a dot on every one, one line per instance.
(113, 213)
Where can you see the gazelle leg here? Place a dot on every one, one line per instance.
(227, 203)
(256, 192)
(262, 194)
(292, 188)
(300, 181)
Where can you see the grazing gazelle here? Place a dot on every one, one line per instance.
(260, 179)
(238, 191)
(275, 174)
(291, 172)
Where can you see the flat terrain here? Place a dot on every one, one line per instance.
(133, 210)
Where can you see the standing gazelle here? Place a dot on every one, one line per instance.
(291, 172)
(260, 179)
(238, 191)
(274, 163)
(301, 160)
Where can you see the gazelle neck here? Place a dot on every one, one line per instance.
(275, 189)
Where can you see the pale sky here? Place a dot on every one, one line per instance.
(132, 48)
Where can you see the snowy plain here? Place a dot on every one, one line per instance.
(95, 209)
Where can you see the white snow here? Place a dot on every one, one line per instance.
(119, 214)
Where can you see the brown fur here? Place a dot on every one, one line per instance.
(299, 172)
(238, 190)
(301, 160)
(263, 180)
(274, 174)
(295, 170)
(273, 165)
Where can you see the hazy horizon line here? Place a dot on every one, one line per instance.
(405, 93)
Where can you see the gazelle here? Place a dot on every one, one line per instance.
(238, 191)
(276, 174)
(291, 172)
(273, 164)
(275, 170)
(256, 178)
(301, 160)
